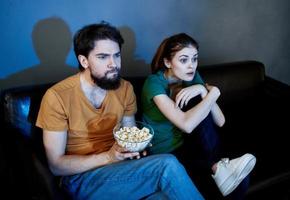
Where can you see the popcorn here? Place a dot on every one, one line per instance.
(133, 138)
(134, 134)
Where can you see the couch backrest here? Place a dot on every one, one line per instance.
(19, 109)
(236, 81)
(20, 106)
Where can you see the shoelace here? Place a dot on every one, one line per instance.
(225, 161)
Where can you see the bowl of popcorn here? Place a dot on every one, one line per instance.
(135, 138)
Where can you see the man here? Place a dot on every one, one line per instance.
(77, 116)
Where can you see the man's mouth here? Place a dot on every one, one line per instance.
(112, 74)
(114, 71)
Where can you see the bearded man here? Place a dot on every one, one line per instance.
(78, 115)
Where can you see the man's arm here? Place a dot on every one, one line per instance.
(128, 121)
(61, 164)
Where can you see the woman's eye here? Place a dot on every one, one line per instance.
(194, 59)
(184, 60)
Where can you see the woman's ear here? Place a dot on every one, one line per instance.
(83, 61)
(167, 63)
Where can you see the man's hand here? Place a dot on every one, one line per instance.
(118, 153)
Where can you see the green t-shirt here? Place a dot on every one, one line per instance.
(167, 136)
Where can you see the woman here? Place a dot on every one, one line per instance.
(177, 103)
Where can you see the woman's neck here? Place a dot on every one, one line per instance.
(171, 78)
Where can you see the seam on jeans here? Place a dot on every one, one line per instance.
(168, 185)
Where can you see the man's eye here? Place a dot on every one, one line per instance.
(101, 57)
(118, 55)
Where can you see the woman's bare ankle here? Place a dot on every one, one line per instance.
(214, 167)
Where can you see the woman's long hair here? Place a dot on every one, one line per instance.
(169, 47)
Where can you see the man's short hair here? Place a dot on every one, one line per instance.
(84, 39)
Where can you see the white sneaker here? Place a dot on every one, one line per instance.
(230, 173)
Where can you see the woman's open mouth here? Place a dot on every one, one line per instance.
(190, 73)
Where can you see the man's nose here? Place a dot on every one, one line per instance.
(112, 63)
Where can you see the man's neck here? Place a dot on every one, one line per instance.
(94, 93)
(86, 76)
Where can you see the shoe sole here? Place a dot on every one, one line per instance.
(246, 164)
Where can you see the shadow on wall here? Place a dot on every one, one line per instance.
(131, 66)
(52, 41)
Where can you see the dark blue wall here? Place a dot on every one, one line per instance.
(35, 36)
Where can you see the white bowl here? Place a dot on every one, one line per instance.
(133, 139)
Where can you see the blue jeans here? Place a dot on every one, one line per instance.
(151, 177)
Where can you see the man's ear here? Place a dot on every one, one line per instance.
(167, 63)
(84, 61)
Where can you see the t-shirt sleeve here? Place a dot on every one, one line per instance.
(51, 115)
(153, 87)
(197, 78)
(130, 101)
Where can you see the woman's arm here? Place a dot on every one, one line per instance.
(187, 121)
(217, 114)
(188, 93)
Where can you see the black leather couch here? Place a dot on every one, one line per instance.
(257, 118)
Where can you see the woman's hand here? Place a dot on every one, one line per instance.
(208, 86)
(183, 97)
(213, 89)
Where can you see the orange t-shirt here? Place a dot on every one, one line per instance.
(90, 130)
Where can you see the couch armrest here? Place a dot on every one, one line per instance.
(276, 89)
(50, 183)
(27, 177)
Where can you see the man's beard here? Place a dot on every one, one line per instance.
(108, 83)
